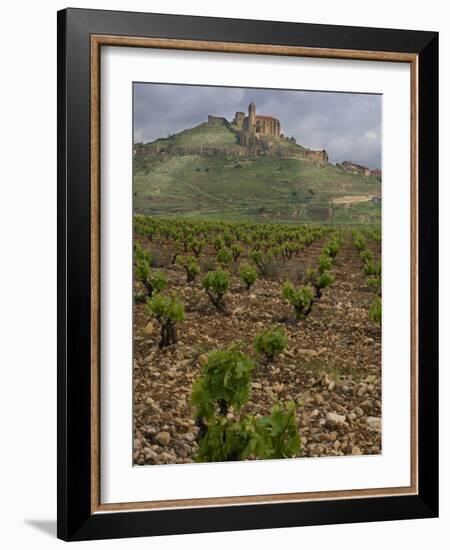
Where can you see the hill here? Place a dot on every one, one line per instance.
(218, 135)
(204, 172)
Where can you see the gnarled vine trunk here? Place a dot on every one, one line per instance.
(168, 334)
(218, 302)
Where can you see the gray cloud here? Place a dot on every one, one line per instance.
(347, 125)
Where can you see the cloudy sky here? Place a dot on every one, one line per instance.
(347, 125)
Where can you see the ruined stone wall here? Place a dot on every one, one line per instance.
(233, 151)
(215, 120)
(359, 169)
(238, 120)
(248, 147)
(318, 156)
(314, 156)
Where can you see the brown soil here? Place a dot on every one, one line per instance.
(332, 363)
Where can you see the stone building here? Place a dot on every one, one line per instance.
(376, 172)
(355, 168)
(252, 127)
(359, 169)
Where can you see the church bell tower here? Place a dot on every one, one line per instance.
(252, 116)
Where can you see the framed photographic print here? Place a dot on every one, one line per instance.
(247, 274)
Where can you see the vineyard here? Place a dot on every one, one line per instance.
(255, 341)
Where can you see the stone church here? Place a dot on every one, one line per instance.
(250, 128)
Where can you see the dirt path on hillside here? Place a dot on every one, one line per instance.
(353, 199)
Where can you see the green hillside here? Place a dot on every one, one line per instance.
(219, 135)
(262, 188)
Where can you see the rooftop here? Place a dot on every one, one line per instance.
(266, 117)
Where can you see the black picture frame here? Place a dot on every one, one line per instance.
(75, 518)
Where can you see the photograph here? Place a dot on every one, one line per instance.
(257, 279)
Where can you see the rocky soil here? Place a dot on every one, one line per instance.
(331, 367)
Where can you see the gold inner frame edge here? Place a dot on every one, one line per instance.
(97, 41)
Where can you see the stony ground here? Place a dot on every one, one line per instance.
(331, 367)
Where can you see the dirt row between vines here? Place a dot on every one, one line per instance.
(331, 367)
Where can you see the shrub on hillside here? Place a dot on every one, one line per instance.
(224, 257)
(372, 269)
(319, 280)
(333, 246)
(225, 383)
(228, 239)
(168, 311)
(218, 243)
(375, 310)
(366, 256)
(359, 241)
(273, 436)
(216, 284)
(301, 299)
(374, 282)
(248, 275)
(196, 246)
(324, 263)
(271, 342)
(153, 281)
(142, 255)
(236, 250)
(256, 257)
(190, 266)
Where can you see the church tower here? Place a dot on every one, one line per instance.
(251, 116)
